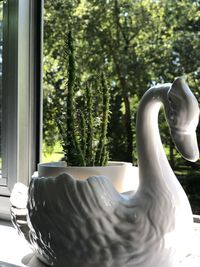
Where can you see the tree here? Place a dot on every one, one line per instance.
(138, 43)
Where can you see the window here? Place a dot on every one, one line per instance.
(20, 58)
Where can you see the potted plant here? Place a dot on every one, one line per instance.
(82, 121)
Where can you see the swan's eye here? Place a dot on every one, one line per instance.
(172, 103)
(169, 98)
(175, 121)
(171, 115)
(173, 118)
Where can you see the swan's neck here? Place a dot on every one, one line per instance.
(152, 161)
(159, 194)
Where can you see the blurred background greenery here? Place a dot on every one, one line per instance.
(137, 44)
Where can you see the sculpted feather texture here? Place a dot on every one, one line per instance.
(96, 222)
(73, 223)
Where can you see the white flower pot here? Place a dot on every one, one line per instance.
(123, 175)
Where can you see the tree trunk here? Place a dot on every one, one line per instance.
(129, 130)
(171, 154)
(128, 120)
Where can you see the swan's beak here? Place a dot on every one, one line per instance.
(187, 145)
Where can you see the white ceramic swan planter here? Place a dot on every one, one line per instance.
(89, 224)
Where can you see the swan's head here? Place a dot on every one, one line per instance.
(183, 117)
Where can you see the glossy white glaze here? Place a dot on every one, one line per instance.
(88, 223)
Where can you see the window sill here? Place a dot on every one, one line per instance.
(4, 208)
(14, 250)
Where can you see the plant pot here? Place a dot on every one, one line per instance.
(123, 175)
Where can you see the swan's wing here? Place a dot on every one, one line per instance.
(18, 209)
(65, 195)
(80, 219)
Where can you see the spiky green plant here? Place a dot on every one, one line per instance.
(82, 144)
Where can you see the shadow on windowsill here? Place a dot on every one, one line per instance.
(6, 264)
(31, 260)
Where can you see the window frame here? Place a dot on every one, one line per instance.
(22, 94)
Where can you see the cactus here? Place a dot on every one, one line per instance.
(82, 144)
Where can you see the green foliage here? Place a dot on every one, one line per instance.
(138, 43)
(76, 120)
(55, 153)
